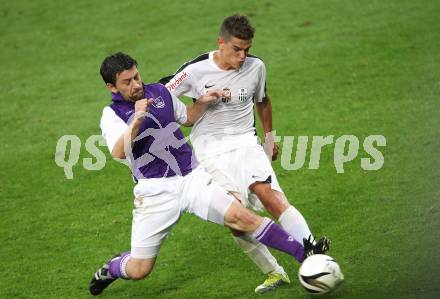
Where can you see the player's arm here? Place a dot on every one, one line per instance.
(263, 105)
(120, 147)
(264, 111)
(187, 115)
(198, 108)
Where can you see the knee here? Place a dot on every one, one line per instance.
(246, 218)
(239, 218)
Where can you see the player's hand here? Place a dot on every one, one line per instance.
(270, 147)
(226, 95)
(275, 152)
(211, 96)
(141, 107)
(271, 150)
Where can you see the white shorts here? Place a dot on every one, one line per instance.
(159, 203)
(237, 169)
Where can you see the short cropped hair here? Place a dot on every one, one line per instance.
(237, 26)
(116, 64)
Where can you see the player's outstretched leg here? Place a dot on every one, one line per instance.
(265, 231)
(120, 266)
(289, 217)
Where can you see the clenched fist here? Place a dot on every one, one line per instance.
(141, 107)
(212, 96)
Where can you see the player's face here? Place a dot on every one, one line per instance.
(233, 51)
(129, 84)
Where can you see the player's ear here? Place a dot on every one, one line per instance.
(111, 87)
(220, 42)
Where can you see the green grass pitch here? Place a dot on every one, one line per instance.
(333, 68)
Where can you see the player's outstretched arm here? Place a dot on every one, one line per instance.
(196, 110)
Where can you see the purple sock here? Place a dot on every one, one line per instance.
(271, 235)
(117, 266)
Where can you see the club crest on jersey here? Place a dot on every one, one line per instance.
(227, 95)
(242, 94)
(158, 102)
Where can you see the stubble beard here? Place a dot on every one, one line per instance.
(137, 96)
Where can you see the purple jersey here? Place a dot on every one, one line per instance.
(159, 149)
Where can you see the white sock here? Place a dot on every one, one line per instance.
(295, 224)
(259, 254)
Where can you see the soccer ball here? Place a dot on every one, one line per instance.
(320, 274)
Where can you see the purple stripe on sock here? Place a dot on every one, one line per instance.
(276, 237)
(115, 266)
(264, 229)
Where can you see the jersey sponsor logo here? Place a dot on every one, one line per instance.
(242, 94)
(172, 85)
(158, 102)
(209, 85)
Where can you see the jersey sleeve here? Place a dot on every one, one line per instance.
(183, 84)
(180, 112)
(260, 92)
(112, 127)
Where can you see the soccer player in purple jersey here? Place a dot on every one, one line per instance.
(140, 126)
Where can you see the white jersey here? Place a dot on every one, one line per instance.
(224, 126)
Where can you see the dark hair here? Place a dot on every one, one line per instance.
(115, 64)
(237, 26)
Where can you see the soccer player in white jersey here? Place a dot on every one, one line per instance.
(225, 141)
